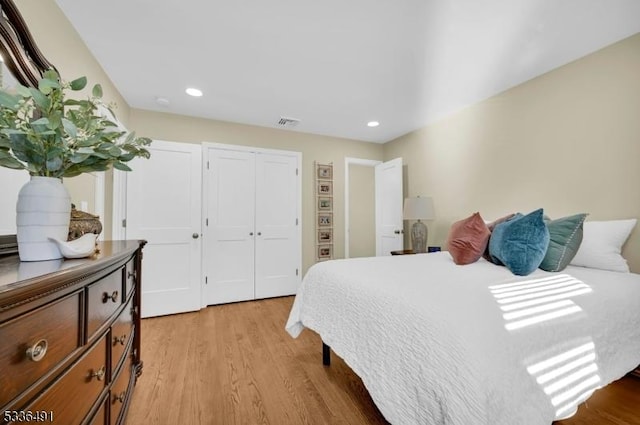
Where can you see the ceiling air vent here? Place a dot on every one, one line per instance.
(288, 122)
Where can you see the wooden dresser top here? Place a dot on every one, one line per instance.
(21, 281)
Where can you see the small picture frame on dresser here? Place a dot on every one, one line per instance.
(8, 245)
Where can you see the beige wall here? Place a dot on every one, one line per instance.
(568, 141)
(362, 232)
(177, 128)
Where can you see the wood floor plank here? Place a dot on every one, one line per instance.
(235, 364)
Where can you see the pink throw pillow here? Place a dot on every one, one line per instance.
(468, 239)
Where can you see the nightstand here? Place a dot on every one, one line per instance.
(403, 252)
(410, 251)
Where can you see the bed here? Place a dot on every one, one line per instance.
(438, 343)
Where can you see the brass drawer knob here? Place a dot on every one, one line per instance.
(119, 397)
(99, 374)
(119, 340)
(36, 352)
(113, 297)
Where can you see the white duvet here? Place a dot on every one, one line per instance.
(436, 343)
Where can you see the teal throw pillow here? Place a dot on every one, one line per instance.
(565, 239)
(520, 243)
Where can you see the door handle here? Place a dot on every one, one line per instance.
(195, 236)
(397, 232)
(250, 233)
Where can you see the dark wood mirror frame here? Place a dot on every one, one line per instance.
(25, 61)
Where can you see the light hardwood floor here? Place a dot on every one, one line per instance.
(235, 364)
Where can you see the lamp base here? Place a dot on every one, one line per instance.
(419, 237)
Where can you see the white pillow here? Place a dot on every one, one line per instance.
(601, 245)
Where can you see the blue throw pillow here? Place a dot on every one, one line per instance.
(521, 243)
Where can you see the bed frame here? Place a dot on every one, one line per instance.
(326, 354)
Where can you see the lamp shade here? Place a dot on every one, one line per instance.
(419, 208)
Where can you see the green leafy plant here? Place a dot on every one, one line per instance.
(48, 135)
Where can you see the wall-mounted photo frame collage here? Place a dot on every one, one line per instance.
(324, 211)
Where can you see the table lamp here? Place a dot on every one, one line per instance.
(419, 208)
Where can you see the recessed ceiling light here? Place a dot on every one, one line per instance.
(373, 123)
(193, 92)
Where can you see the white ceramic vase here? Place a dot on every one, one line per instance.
(43, 212)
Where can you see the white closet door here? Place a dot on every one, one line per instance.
(229, 239)
(277, 244)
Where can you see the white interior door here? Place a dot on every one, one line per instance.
(164, 207)
(277, 245)
(229, 193)
(389, 226)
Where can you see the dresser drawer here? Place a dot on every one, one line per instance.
(35, 343)
(121, 333)
(103, 299)
(72, 396)
(120, 392)
(99, 417)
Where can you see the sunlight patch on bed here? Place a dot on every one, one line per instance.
(533, 301)
(568, 378)
(568, 375)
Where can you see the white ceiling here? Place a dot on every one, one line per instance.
(337, 64)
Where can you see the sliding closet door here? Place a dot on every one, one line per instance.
(228, 260)
(277, 221)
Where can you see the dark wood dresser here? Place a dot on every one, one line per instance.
(70, 337)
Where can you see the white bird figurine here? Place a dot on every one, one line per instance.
(82, 247)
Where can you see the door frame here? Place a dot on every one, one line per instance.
(347, 162)
(119, 210)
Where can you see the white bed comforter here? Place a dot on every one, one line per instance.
(428, 338)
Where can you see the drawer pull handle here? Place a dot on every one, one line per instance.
(121, 340)
(131, 275)
(36, 352)
(113, 297)
(119, 397)
(99, 374)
